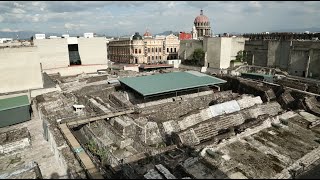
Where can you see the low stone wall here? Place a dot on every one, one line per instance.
(14, 140)
(212, 127)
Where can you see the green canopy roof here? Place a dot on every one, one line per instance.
(14, 102)
(162, 83)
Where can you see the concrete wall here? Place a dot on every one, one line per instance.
(213, 48)
(53, 53)
(291, 56)
(298, 62)
(225, 54)
(187, 48)
(93, 50)
(74, 70)
(314, 68)
(259, 51)
(20, 69)
(221, 50)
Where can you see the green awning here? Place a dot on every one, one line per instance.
(14, 102)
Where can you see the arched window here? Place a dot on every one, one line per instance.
(139, 51)
(160, 57)
(136, 51)
(156, 49)
(148, 58)
(156, 57)
(152, 50)
(159, 49)
(167, 49)
(152, 58)
(175, 49)
(171, 50)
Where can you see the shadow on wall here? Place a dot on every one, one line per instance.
(57, 176)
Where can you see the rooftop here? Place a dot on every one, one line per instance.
(14, 102)
(168, 82)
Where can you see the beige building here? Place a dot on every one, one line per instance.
(20, 69)
(221, 50)
(146, 49)
(72, 55)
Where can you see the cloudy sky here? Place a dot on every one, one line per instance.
(121, 17)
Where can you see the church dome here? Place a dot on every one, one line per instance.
(201, 18)
(136, 36)
(147, 33)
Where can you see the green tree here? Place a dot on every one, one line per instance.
(241, 56)
(198, 56)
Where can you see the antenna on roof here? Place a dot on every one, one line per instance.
(201, 12)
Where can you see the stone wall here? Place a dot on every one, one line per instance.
(14, 140)
(178, 108)
(208, 129)
(187, 48)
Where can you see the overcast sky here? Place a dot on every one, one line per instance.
(120, 17)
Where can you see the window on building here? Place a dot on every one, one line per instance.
(152, 58)
(156, 57)
(167, 49)
(160, 57)
(156, 49)
(148, 58)
(171, 50)
(151, 49)
(175, 49)
(139, 51)
(148, 49)
(136, 51)
(159, 49)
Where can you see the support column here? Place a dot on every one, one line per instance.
(308, 63)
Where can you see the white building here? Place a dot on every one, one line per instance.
(221, 50)
(5, 40)
(71, 56)
(20, 69)
(88, 35)
(40, 36)
(65, 35)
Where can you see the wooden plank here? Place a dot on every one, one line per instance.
(85, 160)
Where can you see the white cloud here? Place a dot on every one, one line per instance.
(74, 26)
(1, 18)
(8, 30)
(18, 11)
(255, 4)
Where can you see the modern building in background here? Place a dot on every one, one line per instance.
(144, 49)
(62, 55)
(20, 69)
(299, 58)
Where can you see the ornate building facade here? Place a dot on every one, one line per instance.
(146, 49)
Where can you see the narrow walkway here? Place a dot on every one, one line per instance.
(92, 119)
(38, 151)
(83, 157)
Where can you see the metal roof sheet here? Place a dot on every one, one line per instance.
(161, 83)
(257, 74)
(14, 102)
(224, 108)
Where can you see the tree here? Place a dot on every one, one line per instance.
(198, 55)
(241, 56)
